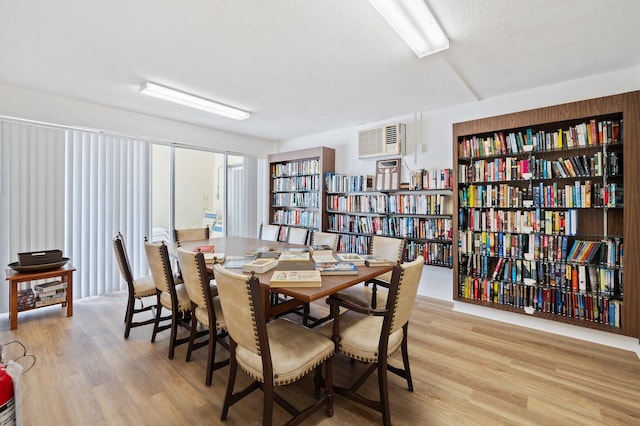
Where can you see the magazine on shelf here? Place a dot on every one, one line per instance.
(309, 278)
(337, 268)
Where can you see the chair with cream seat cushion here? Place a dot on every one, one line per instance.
(297, 235)
(138, 288)
(387, 248)
(269, 232)
(171, 294)
(272, 354)
(372, 335)
(325, 238)
(190, 234)
(205, 309)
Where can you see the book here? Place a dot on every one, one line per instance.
(336, 268)
(311, 278)
(204, 249)
(209, 257)
(324, 258)
(237, 263)
(260, 266)
(50, 286)
(354, 258)
(290, 256)
(320, 249)
(372, 260)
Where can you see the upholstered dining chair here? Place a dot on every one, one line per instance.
(269, 232)
(138, 288)
(325, 238)
(171, 294)
(297, 235)
(205, 309)
(372, 335)
(273, 354)
(190, 234)
(386, 248)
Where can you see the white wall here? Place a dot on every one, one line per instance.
(27, 104)
(432, 131)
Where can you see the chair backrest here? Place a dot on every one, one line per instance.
(241, 301)
(325, 238)
(160, 266)
(269, 232)
(402, 296)
(388, 248)
(195, 277)
(191, 234)
(298, 235)
(123, 259)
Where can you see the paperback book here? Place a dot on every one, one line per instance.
(337, 268)
(324, 258)
(260, 266)
(351, 257)
(371, 260)
(309, 278)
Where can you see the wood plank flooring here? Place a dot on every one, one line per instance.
(466, 371)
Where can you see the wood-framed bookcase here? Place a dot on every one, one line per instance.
(536, 203)
(296, 188)
(423, 217)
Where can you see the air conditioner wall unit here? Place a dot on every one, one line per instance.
(382, 141)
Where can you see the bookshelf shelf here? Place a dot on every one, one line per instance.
(296, 187)
(422, 217)
(544, 212)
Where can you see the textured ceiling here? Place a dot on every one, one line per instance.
(305, 66)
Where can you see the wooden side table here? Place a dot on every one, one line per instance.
(64, 274)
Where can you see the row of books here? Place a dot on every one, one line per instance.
(431, 179)
(336, 182)
(405, 227)
(354, 243)
(609, 195)
(297, 183)
(296, 199)
(368, 203)
(293, 168)
(308, 219)
(500, 195)
(517, 246)
(598, 308)
(429, 204)
(592, 133)
(592, 278)
(549, 222)
(438, 254)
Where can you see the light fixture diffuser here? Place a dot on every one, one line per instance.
(414, 22)
(192, 101)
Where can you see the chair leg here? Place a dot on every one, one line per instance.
(156, 324)
(192, 335)
(329, 387)
(233, 368)
(405, 357)
(128, 316)
(174, 333)
(384, 394)
(212, 354)
(267, 406)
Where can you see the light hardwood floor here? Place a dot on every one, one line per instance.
(466, 370)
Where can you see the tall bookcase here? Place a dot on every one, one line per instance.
(546, 202)
(422, 217)
(297, 193)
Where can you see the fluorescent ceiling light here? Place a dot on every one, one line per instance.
(415, 23)
(193, 101)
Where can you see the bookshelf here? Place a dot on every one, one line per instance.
(421, 216)
(545, 210)
(297, 192)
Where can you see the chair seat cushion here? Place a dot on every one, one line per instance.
(184, 303)
(295, 350)
(361, 295)
(143, 287)
(203, 316)
(360, 335)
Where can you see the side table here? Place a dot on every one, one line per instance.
(64, 273)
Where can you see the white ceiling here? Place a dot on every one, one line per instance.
(305, 66)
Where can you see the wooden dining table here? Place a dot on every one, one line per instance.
(241, 246)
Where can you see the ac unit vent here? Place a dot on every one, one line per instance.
(382, 141)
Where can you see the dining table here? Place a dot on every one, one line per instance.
(243, 246)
